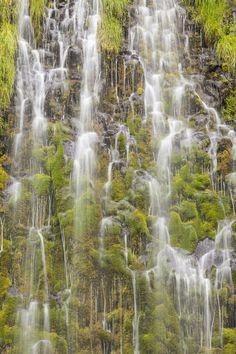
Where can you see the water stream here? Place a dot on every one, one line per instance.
(155, 38)
(158, 43)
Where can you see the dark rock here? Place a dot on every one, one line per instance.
(204, 247)
(74, 57)
(69, 149)
(199, 120)
(14, 292)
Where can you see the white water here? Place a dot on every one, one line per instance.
(85, 155)
(155, 39)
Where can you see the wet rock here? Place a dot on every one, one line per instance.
(69, 149)
(212, 89)
(199, 137)
(14, 292)
(103, 119)
(74, 57)
(204, 247)
(233, 261)
(224, 130)
(199, 120)
(224, 149)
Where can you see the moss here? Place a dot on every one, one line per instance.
(111, 35)
(8, 45)
(55, 166)
(226, 50)
(138, 229)
(114, 259)
(140, 90)
(145, 155)
(216, 17)
(229, 111)
(201, 182)
(182, 235)
(7, 321)
(229, 340)
(134, 123)
(36, 13)
(111, 30)
(158, 322)
(3, 178)
(188, 210)
(122, 144)
(41, 183)
(212, 14)
(5, 284)
(210, 208)
(118, 191)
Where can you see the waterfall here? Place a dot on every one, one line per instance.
(155, 39)
(85, 155)
(118, 234)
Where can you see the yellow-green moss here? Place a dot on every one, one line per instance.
(111, 30)
(110, 35)
(36, 13)
(7, 62)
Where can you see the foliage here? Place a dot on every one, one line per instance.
(7, 62)
(111, 30)
(211, 15)
(230, 109)
(219, 28)
(3, 178)
(36, 13)
(111, 35)
(226, 50)
(41, 183)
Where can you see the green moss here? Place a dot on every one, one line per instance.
(134, 123)
(158, 322)
(114, 259)
(210, 208)
(7, 321)
(3, 178)
(111, 35)
(182, 235)
(229, 111)
(41, 183)
(138, 229)
(7, 62)
(122, 144)
(118, 191)
(36, 13)
(55, 166)
(229, 340)
(140, 90)
(188, 210)
(5, 284)
(226, 50)
(111, 30)
(201, 182)
(212, 14)
(216, 17)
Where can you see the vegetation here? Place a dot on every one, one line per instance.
(111, 32)
(8, 45)
(216, 17)
(37, 8)
(96, 274)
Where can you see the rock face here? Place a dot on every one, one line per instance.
(114, 271)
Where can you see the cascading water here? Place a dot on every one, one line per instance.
(116, 162)
(39, 70)
(31, 96)
(85, 159)
(155, 38)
